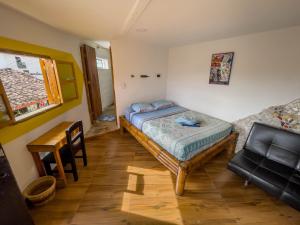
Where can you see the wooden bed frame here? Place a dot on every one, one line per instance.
(180, 168)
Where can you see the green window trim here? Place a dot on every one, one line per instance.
(67, 80)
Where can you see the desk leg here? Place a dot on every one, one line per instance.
(60, 167)
(38, 163)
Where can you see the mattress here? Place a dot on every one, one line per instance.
(180, 141)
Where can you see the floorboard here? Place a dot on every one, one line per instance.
(123, 184)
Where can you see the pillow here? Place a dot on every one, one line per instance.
(142, 107)
(128, 111)
(162, 104)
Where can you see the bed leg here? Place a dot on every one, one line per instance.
(122, 129)
(180, 181)
(230, 150)
(231, 146)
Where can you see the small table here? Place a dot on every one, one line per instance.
(51, 141)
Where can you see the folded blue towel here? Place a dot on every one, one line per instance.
(187, 122)
(195, 125)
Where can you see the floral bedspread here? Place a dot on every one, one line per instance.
(283, 116)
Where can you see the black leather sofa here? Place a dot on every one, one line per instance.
(270, 159)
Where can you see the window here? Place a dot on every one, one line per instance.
(102, 63)
(32, 84)
(6, 114)
(67, 79)
(27, 84)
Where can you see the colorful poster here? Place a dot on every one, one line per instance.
(220, 69)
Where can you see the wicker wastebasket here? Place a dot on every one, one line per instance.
(40, 191)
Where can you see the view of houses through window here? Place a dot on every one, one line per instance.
(24, 83)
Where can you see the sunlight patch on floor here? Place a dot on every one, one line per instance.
(145, 187)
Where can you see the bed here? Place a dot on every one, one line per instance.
(180, 148)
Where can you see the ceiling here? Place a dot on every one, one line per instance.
(99, 19)
(162, 22)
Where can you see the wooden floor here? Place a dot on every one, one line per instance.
(123, 184)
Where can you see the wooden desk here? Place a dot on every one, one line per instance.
(51, 141)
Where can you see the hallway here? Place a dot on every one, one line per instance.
(102, 127)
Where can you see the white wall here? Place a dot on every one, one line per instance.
(105, 79)
(132, 57)
(17, 26)
(265, 72)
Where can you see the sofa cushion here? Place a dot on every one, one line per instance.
(241, 165)
(259, 139)
(285, 149)
(295, 178)
(268, 181)
(275, 144)
(245, 162)
(291, 194)
(277, 168)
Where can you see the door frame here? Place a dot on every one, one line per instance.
(83, 57)
(87, 82)
(113, 83)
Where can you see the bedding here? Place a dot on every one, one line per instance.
(138, 118)
(183, 121)
(180, 141)
(162, 104)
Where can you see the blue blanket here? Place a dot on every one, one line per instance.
(183, 142)
(138, 119)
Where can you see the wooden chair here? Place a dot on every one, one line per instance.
(75, 143)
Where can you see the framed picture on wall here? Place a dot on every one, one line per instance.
(220, 70)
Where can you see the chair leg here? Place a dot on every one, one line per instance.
(84, 157)
(48, 169)
(74, 169)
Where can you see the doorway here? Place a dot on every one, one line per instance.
(98, 73)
